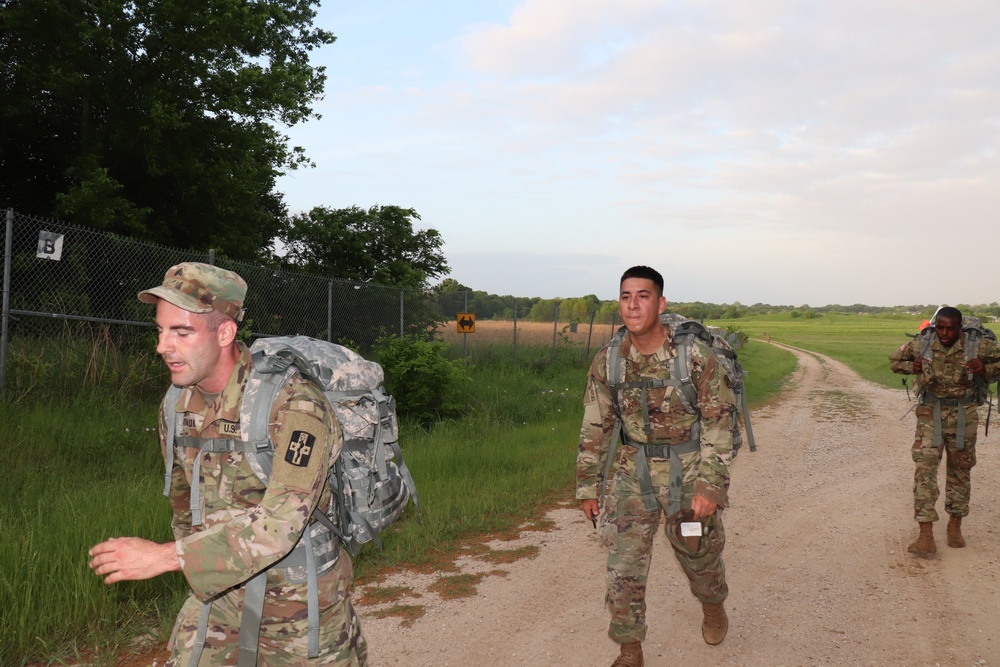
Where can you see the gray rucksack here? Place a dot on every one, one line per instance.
(370, 483)
(685, 331)
(973, 331)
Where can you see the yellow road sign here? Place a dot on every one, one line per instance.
(465, 322)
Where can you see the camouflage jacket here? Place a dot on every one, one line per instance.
(945, 376)
(670, 422)
(247, 526)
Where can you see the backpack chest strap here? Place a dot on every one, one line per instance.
(684, 387)
(205, 445)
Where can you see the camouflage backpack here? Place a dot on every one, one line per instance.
(685, 332)
(370, 483)
(973, 331)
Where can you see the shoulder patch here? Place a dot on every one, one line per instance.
(300, 448)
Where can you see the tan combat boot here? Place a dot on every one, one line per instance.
(631, 655)
(716, 623)
(955, 538)
(925, 541)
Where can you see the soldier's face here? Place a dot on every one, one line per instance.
(640, 305)
(192, 352)
(947, 330)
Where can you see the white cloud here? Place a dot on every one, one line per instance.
(790, 132)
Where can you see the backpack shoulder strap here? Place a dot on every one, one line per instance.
(613, 368)
(613, 371)
(170, 416)
(926, 339)
(255, 414)
(682, 367)
(971, 343)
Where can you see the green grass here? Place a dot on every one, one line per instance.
(88, 468)
(862, 342)
(81, 472)
(767, 367)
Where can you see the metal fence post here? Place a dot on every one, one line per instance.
(6, 299)
(555, 323)
(401, 313)
(329, 311)
(515, 329)
(211, 256)
(590, 332)
(465, 336)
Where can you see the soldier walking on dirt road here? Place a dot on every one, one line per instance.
(950, 374)
(665, 444)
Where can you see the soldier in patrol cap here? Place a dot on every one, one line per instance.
(656, 428)
(228, 526)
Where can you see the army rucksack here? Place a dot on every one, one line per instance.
(685, 331)
(973, 331)
(370, 483)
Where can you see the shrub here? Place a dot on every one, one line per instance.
(427, 386)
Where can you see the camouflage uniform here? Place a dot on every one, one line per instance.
(626, 526)
(945, 378)
(247, 527)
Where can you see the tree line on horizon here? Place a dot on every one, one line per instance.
(454, 297)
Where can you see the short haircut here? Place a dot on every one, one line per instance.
(646, 273)
(951, 313)
(215, 319)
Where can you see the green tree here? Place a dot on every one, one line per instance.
(376, 245)
(451, 285)
(156, 119)
(544, 310)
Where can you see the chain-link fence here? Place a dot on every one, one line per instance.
(54, 272)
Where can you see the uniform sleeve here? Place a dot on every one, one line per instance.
(180, 487)
(989, 352)
(717, 404)
(902, 359)
(595, 432)
(306, 437)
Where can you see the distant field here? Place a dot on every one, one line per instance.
(501, 332)
(863, 342)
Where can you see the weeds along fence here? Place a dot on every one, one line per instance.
(60, 280)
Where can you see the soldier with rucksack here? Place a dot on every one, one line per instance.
(267, 577)
(674, 460)
(954, 360)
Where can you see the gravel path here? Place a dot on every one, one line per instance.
(816, 556)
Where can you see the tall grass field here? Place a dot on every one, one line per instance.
(85, 466)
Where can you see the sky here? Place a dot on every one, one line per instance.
(772, 151)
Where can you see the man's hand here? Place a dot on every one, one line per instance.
(702, 507)
(132, 558)
(976, 366)
(918, 366)
(590, 508)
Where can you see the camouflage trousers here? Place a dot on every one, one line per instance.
(958, 468)
(283, 628)
(627, 529)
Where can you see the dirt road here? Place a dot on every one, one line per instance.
(816, 558)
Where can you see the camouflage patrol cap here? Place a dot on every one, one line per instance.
(200, 288)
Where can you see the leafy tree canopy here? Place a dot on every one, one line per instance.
(451, 285)
(376, 245)
(156, 119)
